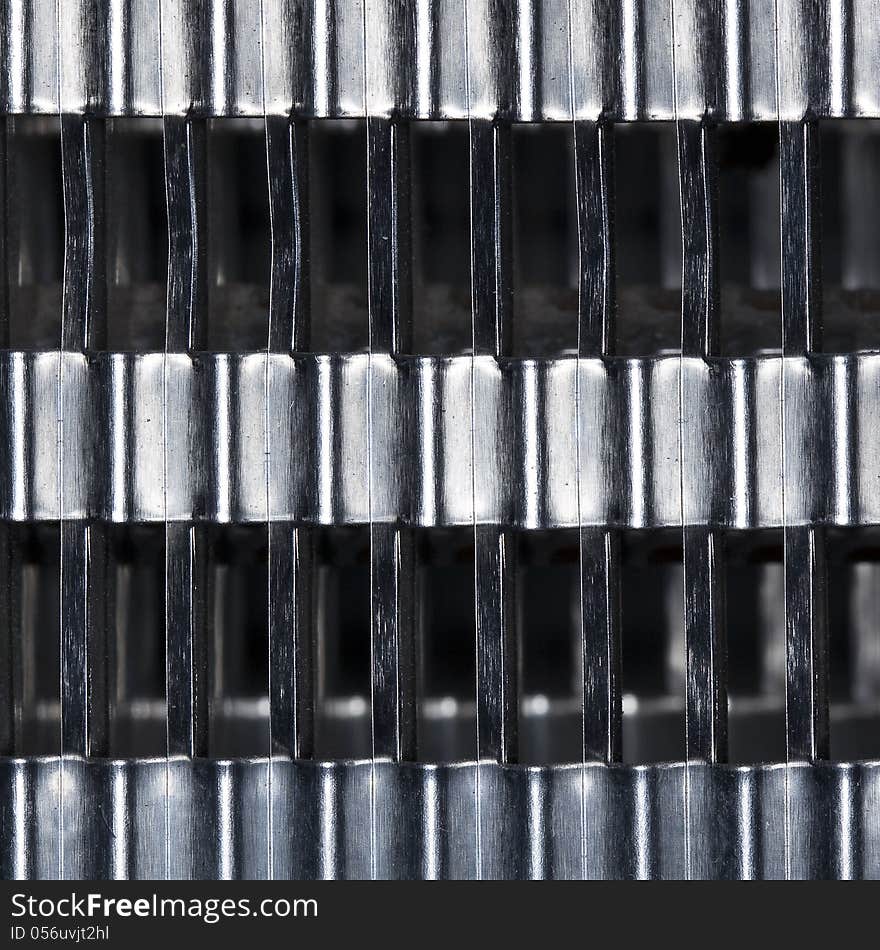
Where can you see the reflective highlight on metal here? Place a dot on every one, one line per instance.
(531, 820)
(218, 475)
(214, 58)
(366, 514)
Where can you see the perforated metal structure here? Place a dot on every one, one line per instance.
(418, 453)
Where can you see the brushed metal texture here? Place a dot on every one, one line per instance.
(216, 417)
(593, 821)
(306, 57)
(280, 582)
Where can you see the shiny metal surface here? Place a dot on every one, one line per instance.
(136, 57)
(563, 822)
(216, 419)
(384, 494)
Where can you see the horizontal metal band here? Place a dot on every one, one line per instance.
(528, 60)
(228, 819)
(117, 408)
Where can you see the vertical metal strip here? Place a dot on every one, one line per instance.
(83, 327)
(497, 707)
(186, 649)
(696, 32)
(807, 720)
(11, 647)
(84, 697)
(706, 698)
(285, 51)
(494, 544)
(7, 255)
(599, 547)
(182, 41)
(291, 620)
(291, 641)
(291, 615)
(84, 301)
(392, 573)
(600, 640)
(185, 145)
(163, 93)
(594, 182)
(287, 142)
(388, 42)
(186, 655)
(801, 34)
(10, 634)
(593, 98)
(185, 643)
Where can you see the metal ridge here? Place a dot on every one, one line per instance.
(576, 821)
(306, 58)
(215, 432)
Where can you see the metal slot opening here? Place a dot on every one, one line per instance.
(137, 235)
(238, 235)
(544, 240)
(343, 632)
(648, 239)
(441, 238)
(339, 235)
(35, 231)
